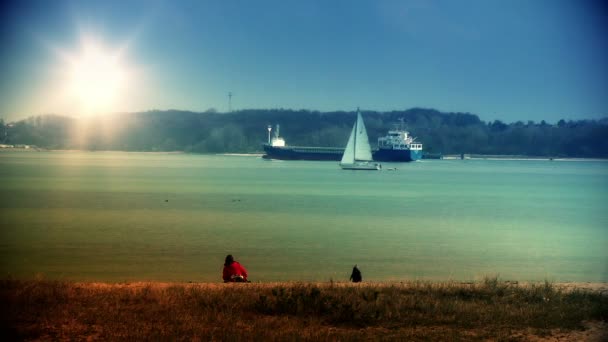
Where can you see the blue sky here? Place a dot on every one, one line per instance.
(508, 60)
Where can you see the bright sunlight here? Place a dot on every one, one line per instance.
(95, 77)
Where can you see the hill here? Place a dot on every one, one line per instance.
(244, 131)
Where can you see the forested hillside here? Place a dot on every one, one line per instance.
(245, 131)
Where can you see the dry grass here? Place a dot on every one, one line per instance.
(495, 310)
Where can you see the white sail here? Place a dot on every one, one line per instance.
(362, 149)
(358, 154)
(349, 152)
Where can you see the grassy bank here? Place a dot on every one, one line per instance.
(491, 309)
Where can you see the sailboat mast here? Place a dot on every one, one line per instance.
(355, 141)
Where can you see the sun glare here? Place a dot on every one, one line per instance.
(95, 79)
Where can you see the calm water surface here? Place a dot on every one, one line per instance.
(113, 216)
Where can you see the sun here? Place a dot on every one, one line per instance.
(95, 78)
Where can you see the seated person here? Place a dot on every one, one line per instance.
(356, 275)
(233, 271)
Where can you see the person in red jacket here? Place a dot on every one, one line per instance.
(233, 271)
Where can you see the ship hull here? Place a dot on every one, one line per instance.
(302, 153)
(335, 154)
(397, 155)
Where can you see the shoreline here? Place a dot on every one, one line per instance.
(516, 157)
(260, 154)
(598, 287)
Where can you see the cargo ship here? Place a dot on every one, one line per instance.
(396, 146)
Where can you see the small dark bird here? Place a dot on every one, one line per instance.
(356, 277)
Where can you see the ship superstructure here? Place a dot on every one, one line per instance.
(398, 145)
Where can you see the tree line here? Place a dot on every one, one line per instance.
(244, 131)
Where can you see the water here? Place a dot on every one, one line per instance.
(114, 216)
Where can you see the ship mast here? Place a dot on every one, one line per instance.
(401, 124)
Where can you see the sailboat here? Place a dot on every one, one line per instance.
(358, 153)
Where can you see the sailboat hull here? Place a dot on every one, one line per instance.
(361, 166)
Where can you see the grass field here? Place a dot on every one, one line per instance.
(487, 310)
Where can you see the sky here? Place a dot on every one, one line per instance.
(500, 59)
